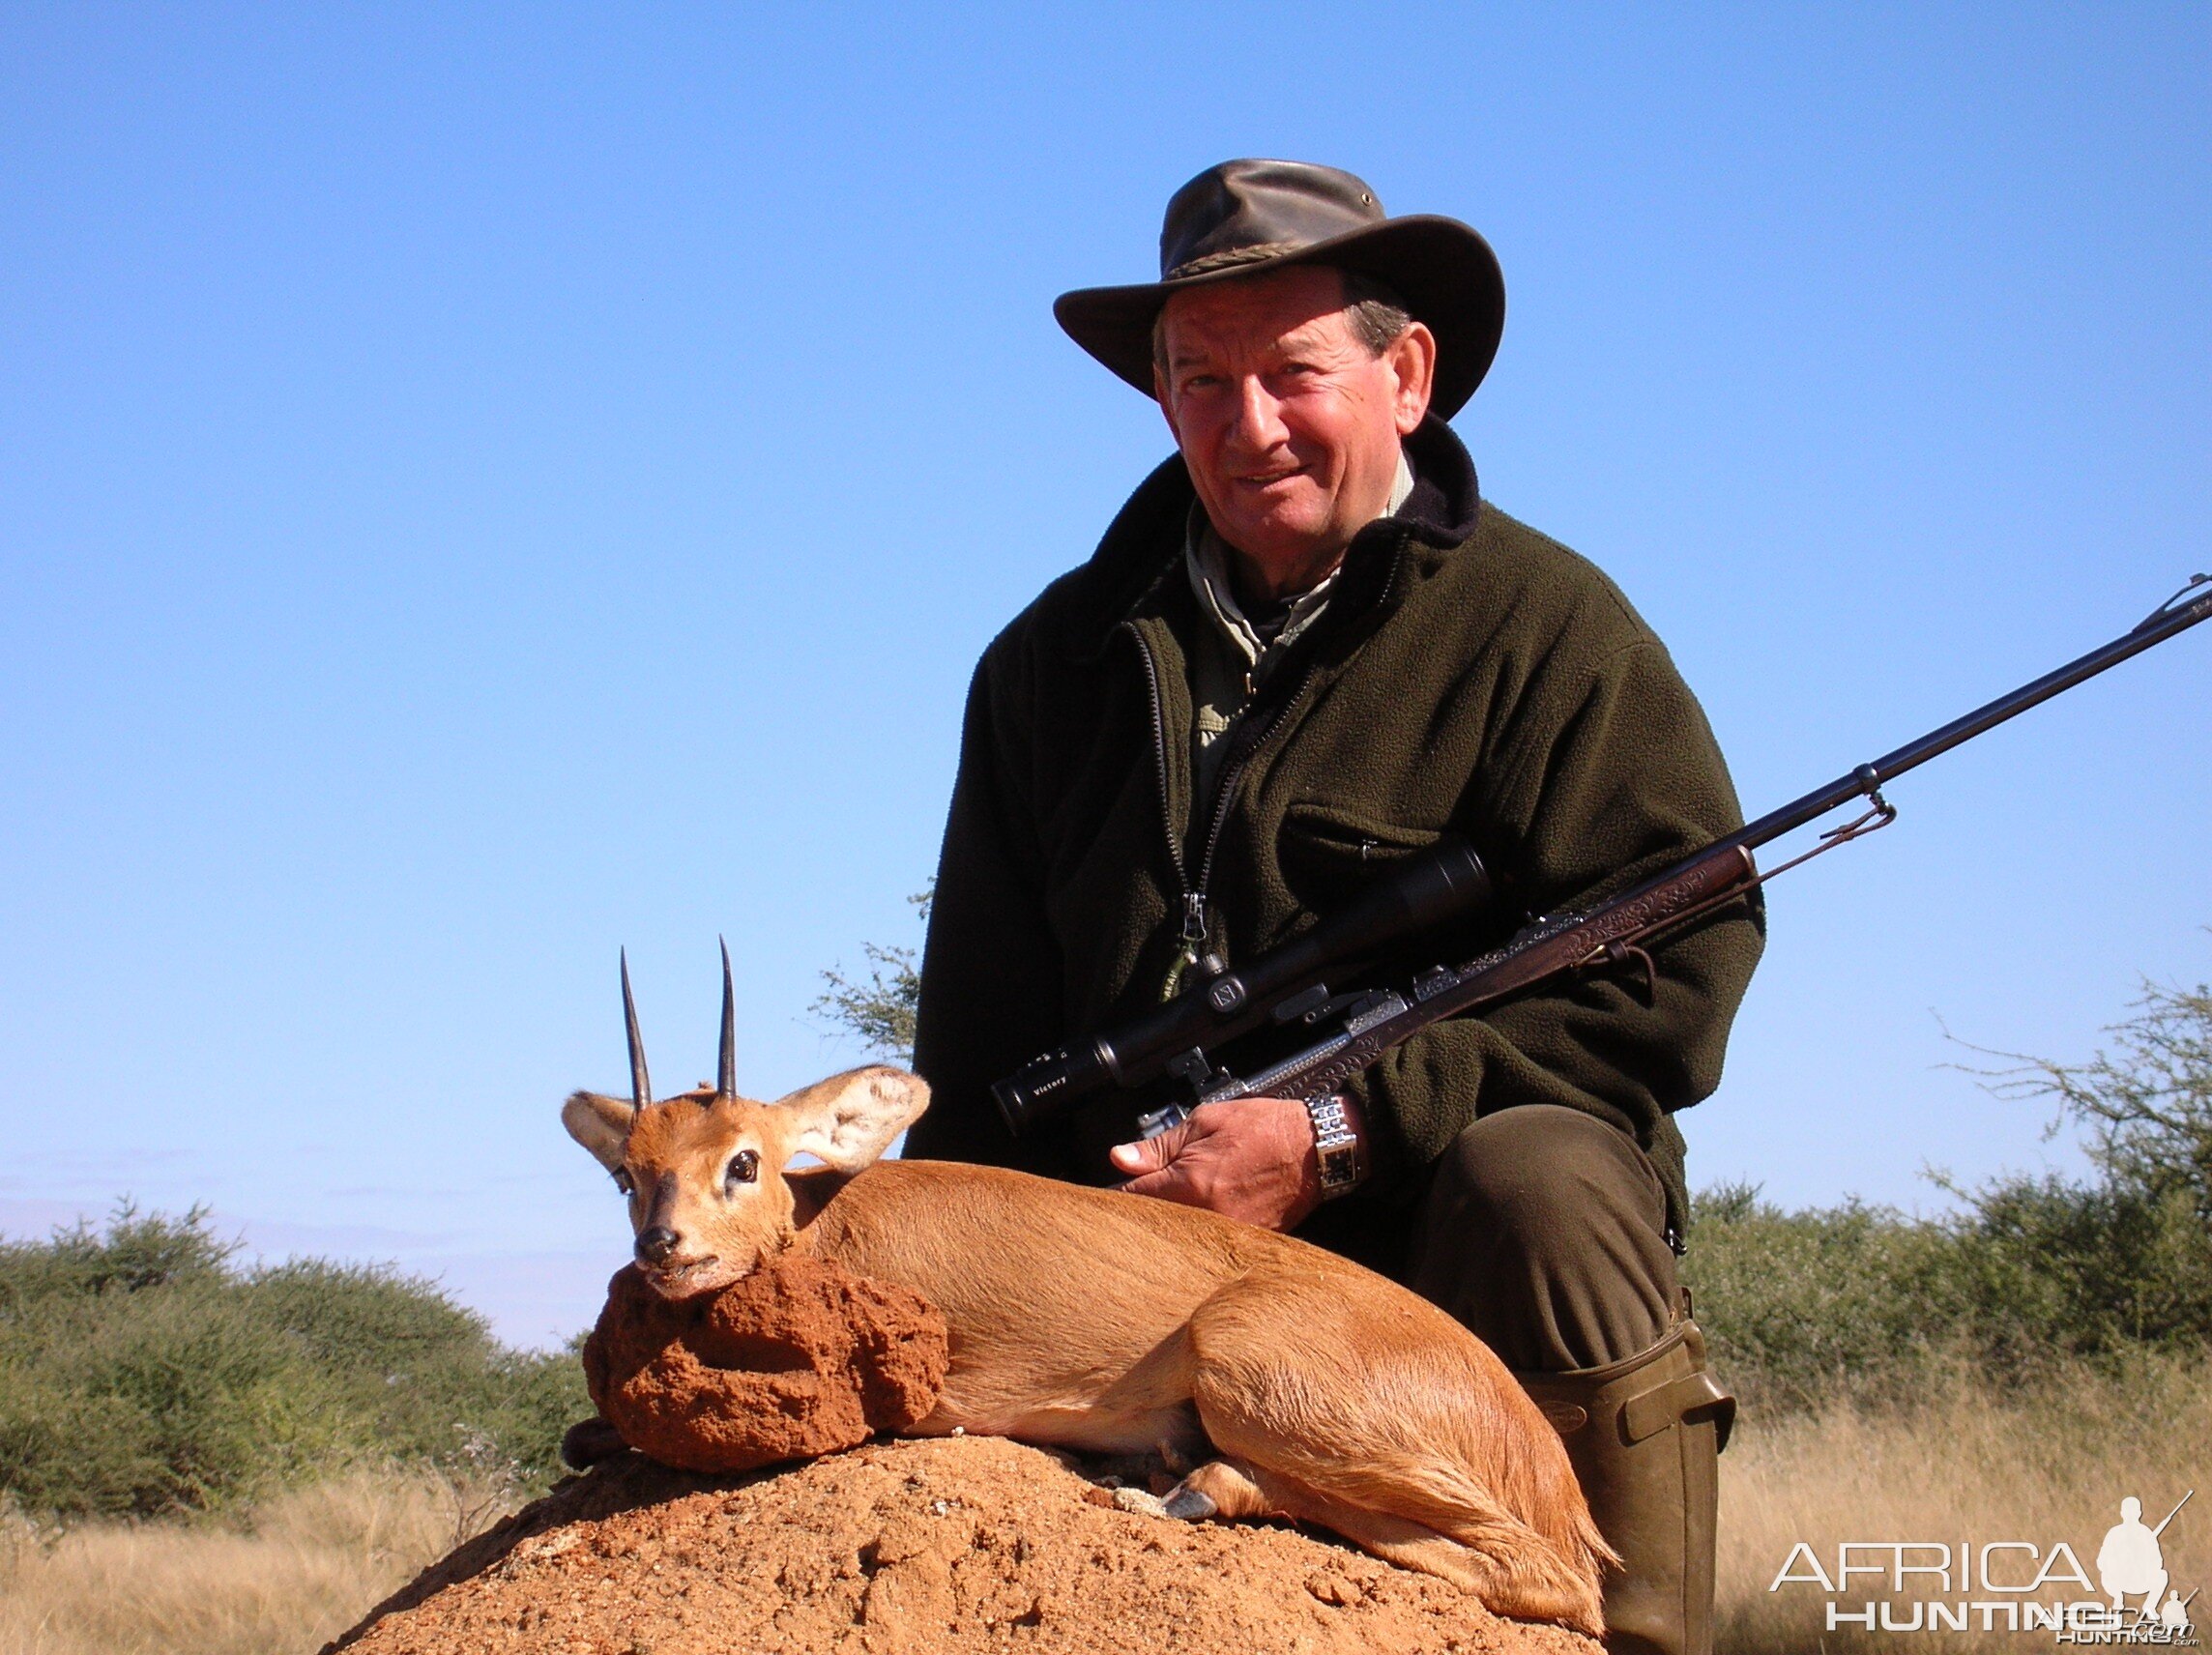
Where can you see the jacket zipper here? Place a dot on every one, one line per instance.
(1193, 903)
(1194, 918)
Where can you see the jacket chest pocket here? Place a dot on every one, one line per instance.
(1329, 853)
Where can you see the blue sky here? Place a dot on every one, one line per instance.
(483, 487)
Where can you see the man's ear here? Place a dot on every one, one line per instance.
(850, 1119)
(1412, 358)
(601, 1124)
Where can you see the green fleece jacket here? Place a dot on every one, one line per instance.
(1469, 677)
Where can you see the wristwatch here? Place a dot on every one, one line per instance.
(1337, 1144)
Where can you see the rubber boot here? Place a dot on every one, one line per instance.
(1644, 1437)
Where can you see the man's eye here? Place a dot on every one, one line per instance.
(744, 1168)
(622, 1180)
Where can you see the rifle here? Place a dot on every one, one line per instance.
(1282, 986)
(2171, 1515)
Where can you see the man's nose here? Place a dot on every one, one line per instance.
(1259, 415)
(655, 1246)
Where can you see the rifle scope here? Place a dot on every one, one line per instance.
(1445, 881)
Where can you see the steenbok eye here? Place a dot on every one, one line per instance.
(622, 1180)
(744, 1168)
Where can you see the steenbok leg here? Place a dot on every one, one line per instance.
(1334, 1396)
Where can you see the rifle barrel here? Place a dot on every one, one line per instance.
(2163, 623)
(2175, 1512)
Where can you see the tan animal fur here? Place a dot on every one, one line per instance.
(1112, 1322)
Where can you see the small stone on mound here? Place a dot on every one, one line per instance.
(797, 1359)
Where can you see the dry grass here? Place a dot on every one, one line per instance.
(299, 1569)
(2042, 1466)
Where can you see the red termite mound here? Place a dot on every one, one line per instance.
(953, 1546)
(800, 1358)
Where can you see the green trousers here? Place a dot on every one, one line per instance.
(1543, 1230)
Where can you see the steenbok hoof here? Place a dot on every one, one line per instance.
(1187, 1503)
(589, 1441)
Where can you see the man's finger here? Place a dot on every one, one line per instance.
(1167, 1186)
(1149, 1154)
(1143, 1156)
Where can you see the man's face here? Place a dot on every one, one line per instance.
(1289, 423)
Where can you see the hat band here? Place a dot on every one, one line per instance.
(1258, 253)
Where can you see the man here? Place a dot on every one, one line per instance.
(2131, 1561)
(1304, 650)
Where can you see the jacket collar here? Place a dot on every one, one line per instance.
(1141, 549)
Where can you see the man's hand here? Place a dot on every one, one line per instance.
(1252, 1159)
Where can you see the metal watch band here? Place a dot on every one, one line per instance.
(1336, 1146)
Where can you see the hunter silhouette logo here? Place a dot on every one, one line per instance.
(2131, 1560)
(2007, 1586)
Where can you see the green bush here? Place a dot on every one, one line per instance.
(1801, 1306)
(142, 1372)
(2031, 1275)
(880, 1011)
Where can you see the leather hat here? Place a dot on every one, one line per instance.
(1246, 216)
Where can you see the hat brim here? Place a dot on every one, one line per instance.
(1442, 269)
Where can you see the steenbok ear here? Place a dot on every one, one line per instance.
(601, 1124)
(850, 1119)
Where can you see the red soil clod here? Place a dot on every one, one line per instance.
(798, 1359)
